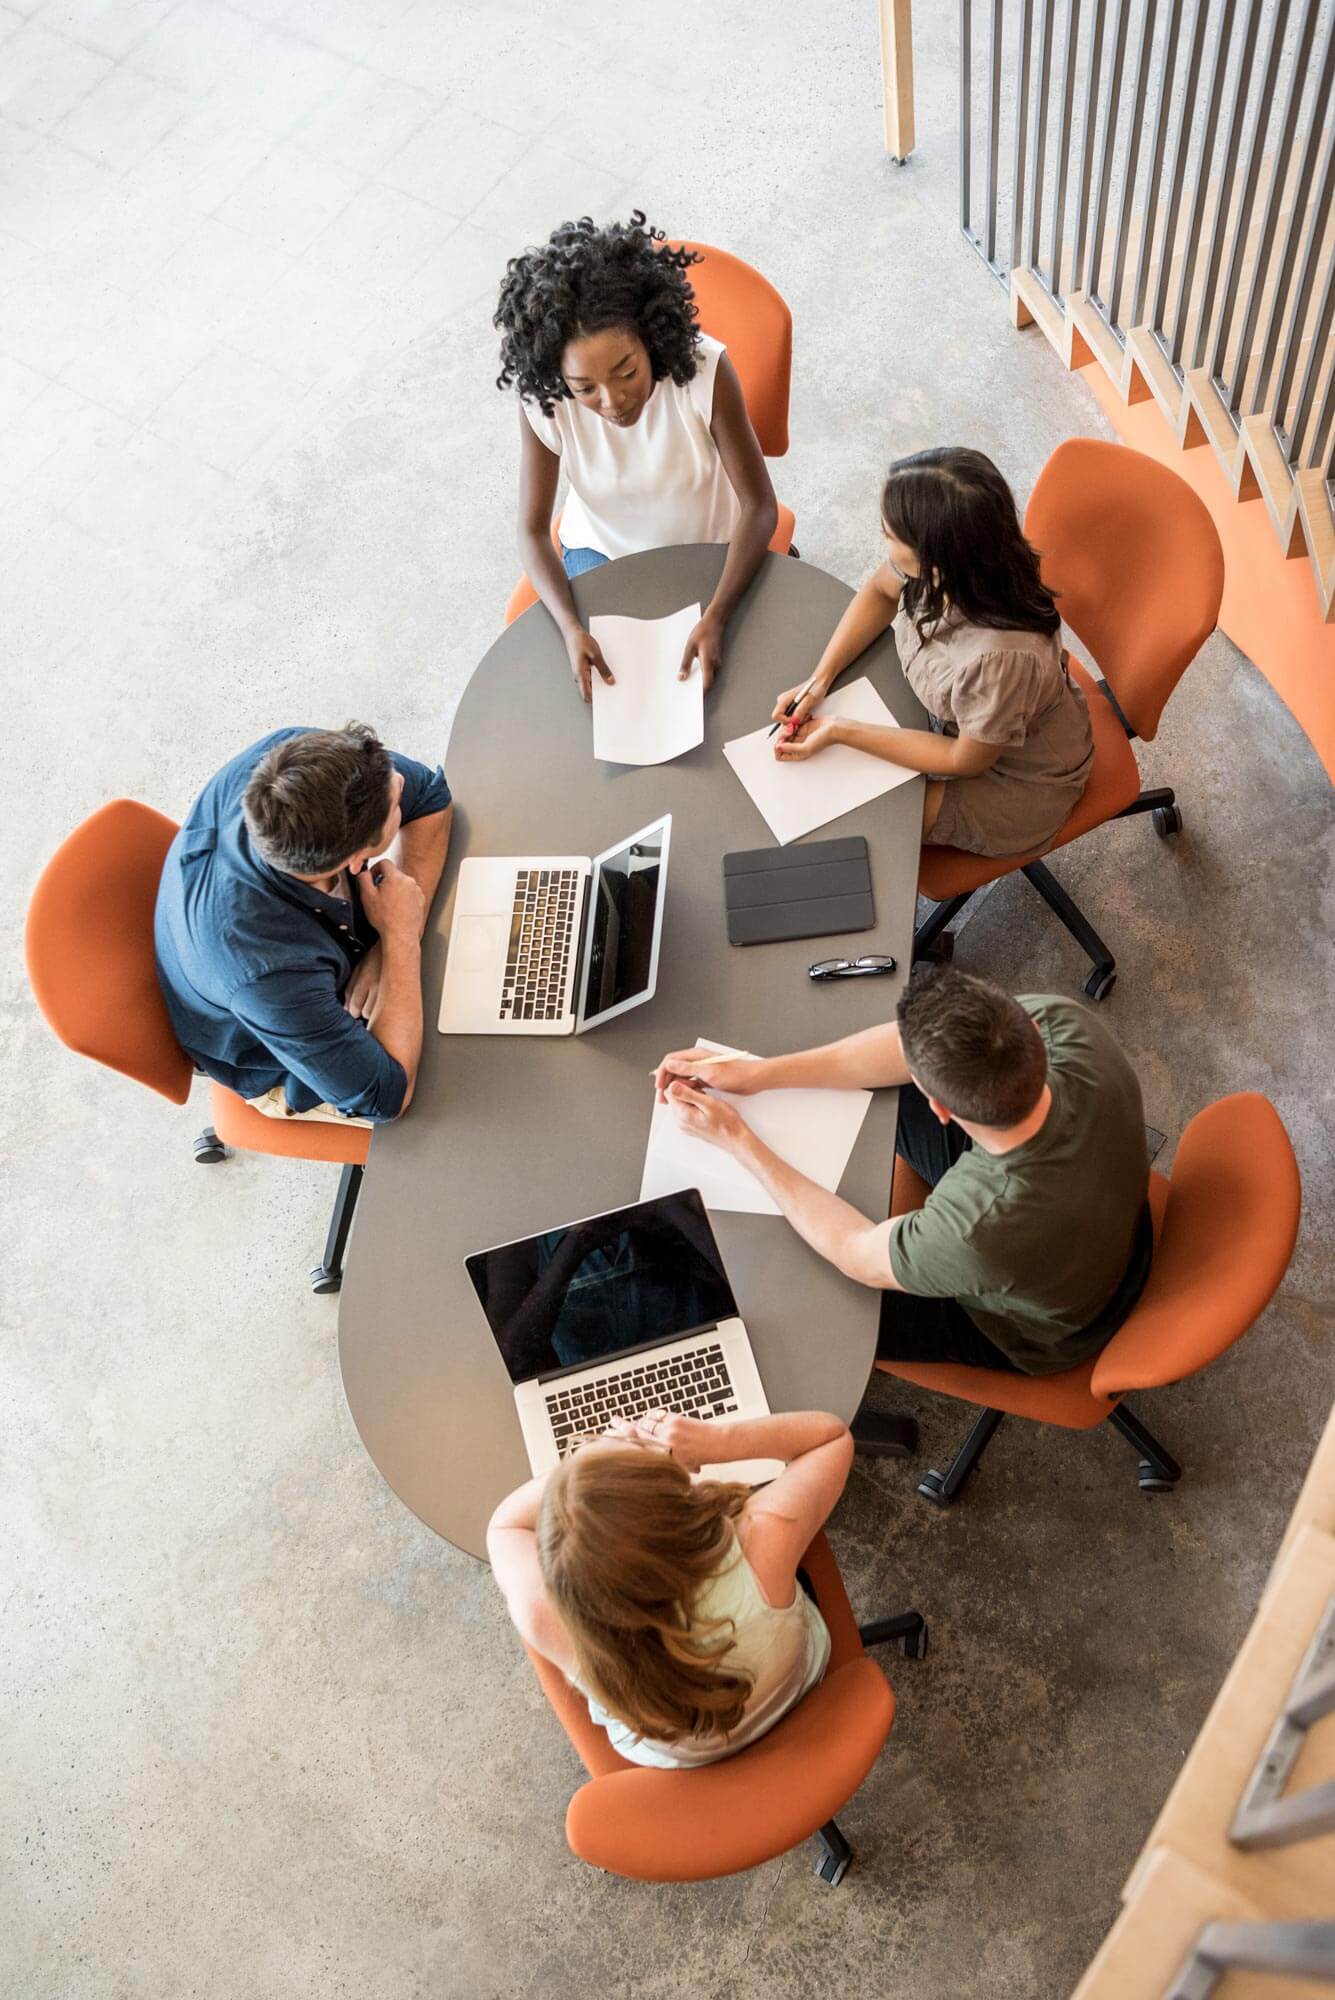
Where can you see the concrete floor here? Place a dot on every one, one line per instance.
(264, 1735)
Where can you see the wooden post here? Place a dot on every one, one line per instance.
(897, 76)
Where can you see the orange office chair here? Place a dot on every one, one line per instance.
(1224, 1229)
(89, 947)
(690, 1826)
(1136, 565)
(743, 310)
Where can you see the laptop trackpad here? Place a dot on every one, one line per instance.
(477, 946)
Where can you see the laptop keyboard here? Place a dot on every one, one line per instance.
(694, 1383)
(541, 926)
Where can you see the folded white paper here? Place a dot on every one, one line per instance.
(795, 798)
(649, 714)
(813, 1130)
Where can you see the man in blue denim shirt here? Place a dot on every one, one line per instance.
(290, 965)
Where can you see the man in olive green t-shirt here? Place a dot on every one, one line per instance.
(1025, 1118)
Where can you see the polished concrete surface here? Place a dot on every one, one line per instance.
(263, 1734)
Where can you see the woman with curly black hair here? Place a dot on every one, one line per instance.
(979, 638)
(619, 385)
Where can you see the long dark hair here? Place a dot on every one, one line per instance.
(956, 512)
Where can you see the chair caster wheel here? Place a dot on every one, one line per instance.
(209, 1148)
(913, 1645)
(932, 1486)
(794, 552)
(1100, 983)
(323, 1281)
(832, 1868)
(1150, 1481)
(1167, 821)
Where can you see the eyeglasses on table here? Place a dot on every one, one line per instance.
(866, 967)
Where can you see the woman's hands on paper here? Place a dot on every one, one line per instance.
(586, 659)
(797, 741)
(805, 696)
(705, 645)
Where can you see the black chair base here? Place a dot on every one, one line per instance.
(882, 1434)
(328, 1274)
(910, 1629)
(209, 1148)
(833, 1864)
(932, 941)
(1157, 1471)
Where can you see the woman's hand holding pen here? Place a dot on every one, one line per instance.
(806, 739)
(796, 703)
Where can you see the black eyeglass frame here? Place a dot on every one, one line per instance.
(871, 965)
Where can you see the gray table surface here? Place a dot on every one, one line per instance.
(507, 1136)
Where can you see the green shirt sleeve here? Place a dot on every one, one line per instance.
(934, 1252)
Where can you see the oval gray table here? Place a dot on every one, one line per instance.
(507, 1136)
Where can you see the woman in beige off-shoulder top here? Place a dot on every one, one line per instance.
(979, 638)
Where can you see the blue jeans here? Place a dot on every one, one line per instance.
(577, 561)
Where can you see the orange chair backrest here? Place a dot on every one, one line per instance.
(89, 946)
(689, 1826)
(743, 310)
(1136, 565)
(692, 1826)
(1228, 1231)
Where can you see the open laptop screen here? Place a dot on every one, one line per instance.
(594, 1289)
(625, 893)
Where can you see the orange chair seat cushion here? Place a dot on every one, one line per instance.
(524, 596)
(689, 1826)
(1067, 1399)
(286, 1138)
(1114, 782)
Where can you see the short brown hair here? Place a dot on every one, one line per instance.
(315, 799)
(971, 1046)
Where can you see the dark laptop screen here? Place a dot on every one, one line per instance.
(592, 1289)
(625, 891)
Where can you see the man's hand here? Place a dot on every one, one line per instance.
(738, 1074)
(707, 1117)
(792, 744)
(690, 1440)
(586, 659)
(393, 902)
(705, 645)
(363, 988)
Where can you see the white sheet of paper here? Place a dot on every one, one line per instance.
(796, 798)
(649, 714)
(813, 1130)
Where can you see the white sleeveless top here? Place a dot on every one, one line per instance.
(660, 481)
(785, 1650)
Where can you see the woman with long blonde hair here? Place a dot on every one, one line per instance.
(672, 1602)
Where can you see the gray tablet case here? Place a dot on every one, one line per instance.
(774, 893)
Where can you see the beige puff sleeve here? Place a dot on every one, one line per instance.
(993, 696)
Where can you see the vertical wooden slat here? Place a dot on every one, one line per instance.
(897, 76)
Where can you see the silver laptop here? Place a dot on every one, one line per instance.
(554, 944)
(615, 1316)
